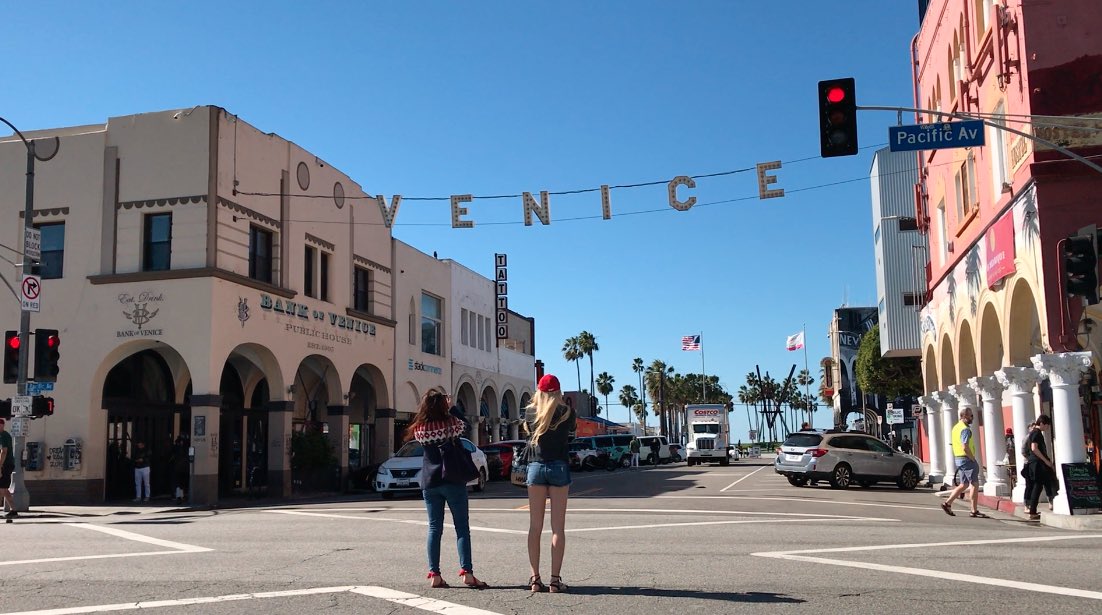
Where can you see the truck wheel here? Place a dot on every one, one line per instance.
(690, 462)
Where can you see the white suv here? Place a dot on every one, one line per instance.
(646, 454)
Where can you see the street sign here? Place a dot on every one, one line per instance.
(38, 388)
(29, 292)
(21, 405)
(19, 427)
(895, 416)
(940, 135)
(753, 435)
(916, 411)
(32, 243)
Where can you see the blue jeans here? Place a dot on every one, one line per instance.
(456, 498)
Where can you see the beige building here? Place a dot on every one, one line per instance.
(221, 289)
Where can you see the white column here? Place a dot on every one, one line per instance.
(1064, 371)
(990, 391)
(1020, 381)
(933, 433)
(948, 418)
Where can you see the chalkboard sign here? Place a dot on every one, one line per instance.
(1082, 485)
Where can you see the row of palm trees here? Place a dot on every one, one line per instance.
(670, 390)
(774, 401)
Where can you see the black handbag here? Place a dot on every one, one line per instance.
(457, 466)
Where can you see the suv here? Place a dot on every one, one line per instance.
(582, 455)
(646, 455)
(843, 458)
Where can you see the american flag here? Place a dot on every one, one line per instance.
(690, 342)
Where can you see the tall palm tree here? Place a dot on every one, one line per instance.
(629, 397)
(655, 378)
(638, 368)
(604, 387)
(572, 352)
(805, 380)
(587, 344)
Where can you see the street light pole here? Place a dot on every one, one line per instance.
(20, 497)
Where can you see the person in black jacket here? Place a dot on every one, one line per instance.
(434, 426)
(548, 477)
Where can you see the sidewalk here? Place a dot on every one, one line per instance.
(1066, 522)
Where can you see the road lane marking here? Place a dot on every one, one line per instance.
(176, 547)
(801, 556)
(572, 510)
(801, 500)
(729, 522)
(741, 479)
(474, 528)
(383, 593)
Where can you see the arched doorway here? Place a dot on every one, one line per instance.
(140, 396)
(243, 429)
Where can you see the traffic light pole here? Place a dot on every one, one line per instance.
(20, 497)
(966, 116)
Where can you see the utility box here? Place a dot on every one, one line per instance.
(32, 456)
(70, 459)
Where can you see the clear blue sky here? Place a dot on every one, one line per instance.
(441, 98)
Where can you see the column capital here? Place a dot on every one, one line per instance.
(1062, 368)
(965, 395)
(945, 399)
(930, 402)
(1019, 380)
(987, 387)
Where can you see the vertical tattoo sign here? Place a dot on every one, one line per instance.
(501, 283)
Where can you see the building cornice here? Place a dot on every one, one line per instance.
(356, 258)
(163, 202)
(386, 322)
(183, 274)
(44, 213)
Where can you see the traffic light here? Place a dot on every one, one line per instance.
(5, 408)
(838, 117)
(1081, 268)
(47, 351)
(11, 357)
(42, 406)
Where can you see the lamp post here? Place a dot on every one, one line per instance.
(41, 150)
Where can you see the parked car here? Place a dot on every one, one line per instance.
(676, 453)
(402, 472)
(647, 454)
(616, 446)
(843, 458)
(503, 450)
(582, 456)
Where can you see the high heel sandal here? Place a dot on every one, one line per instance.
(556, 586)
(536, 585)
(464, 573)
(433, 576)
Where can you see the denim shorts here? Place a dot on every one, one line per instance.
(550, 473)
(967, 472)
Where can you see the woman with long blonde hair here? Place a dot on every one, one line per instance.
(549, 423)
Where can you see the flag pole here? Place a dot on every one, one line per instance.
(703, 377)
(807, 397)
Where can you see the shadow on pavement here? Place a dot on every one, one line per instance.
(656, 592)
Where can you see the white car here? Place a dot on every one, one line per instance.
(402, 472)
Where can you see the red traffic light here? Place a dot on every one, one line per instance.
(836, 94)
(13, 343)
(52, 341)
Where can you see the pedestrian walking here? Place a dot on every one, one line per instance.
(7, 468)
(433, 427)
(968, 467)
(549, 427)
(1039, 471)
(140, 460)
(634, 447)
(655, 450)
(906, 445)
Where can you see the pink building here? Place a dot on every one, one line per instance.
(998, 333)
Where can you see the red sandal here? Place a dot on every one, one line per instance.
(436, 575)
(463, 572)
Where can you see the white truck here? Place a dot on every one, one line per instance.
(708, 434)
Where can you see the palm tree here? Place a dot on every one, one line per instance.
(656, 376)
(604, 386)
(571, 352)
(637, 367)
(587, 344)
(629, 397)
(805, 380)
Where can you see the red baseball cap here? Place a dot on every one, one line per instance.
(548, 384)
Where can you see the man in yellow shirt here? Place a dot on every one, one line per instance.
(968, 467)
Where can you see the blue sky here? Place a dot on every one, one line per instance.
(435, 99)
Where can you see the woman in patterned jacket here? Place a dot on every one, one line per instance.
(433, 426)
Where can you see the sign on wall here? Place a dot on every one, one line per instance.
(999, 243)
(501, 284)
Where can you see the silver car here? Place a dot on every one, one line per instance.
(843, 458)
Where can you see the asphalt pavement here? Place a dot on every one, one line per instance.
(672, 539)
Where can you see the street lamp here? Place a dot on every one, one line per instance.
(43, 150)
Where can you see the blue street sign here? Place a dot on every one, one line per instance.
(38, 388)
(941, 135)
